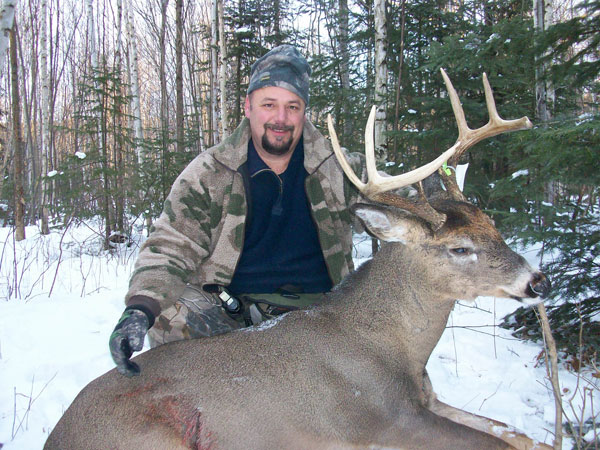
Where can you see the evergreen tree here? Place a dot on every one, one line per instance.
(564, 152)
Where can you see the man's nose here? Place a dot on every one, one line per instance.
(281, 114)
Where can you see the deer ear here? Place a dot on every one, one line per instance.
(390, 224)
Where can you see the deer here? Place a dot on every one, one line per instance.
(349, 373)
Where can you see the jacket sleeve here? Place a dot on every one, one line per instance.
(178, 243)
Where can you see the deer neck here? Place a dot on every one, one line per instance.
(395, 304)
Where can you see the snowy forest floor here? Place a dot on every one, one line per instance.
(61, 295)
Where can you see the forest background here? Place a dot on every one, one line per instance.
(103, 102)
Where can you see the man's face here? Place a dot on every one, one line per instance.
(276, 119)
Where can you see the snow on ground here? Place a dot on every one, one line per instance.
(58, 308)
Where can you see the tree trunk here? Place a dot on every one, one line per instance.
(380, 78)
(179, 75)
(7, 14)
(213, 74)
(223, 71)
(344, 58)
(544, 91)
(164, 99)
(99, 122)
(45, 147)
(544, 99)
(17, 139)
(277, 22)
(120, 191)
(136, 110)
(399, 78)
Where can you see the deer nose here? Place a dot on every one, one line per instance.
(539, 286)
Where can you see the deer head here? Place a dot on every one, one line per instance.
(439, 223)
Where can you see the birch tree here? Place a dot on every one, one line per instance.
(136, 110)
(164, 98)
(45, 142)
(544, 92)
(179, 75)
(213, 73)
(380, 77)
(223, 71)
(119, 196)
(7, 14)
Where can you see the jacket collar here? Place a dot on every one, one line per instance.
(233, 151)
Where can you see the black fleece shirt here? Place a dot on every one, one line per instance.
(281, 245)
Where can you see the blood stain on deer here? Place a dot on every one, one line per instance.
(174, 412)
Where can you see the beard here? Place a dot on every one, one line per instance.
(277, 148)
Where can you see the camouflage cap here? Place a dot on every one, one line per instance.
(285, 67)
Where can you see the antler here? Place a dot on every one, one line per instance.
(377, 187)
(468, 137)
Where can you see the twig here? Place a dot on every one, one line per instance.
(552, 369)
(3, 250)
(454, 345)
(15, 265)
(495, 348)
(490, 396)
(473, 328)
(29, 405)
(60, 252)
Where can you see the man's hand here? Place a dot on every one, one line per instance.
(128, 337)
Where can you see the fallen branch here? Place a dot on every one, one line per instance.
(552, 370)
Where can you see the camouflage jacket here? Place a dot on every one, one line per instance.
(199, 236)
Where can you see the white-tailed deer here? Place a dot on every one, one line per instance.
(347, 374)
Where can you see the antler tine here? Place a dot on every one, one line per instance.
(376, 183)
(342, 158)
(468, 137)
(377, 186)
(496, 125)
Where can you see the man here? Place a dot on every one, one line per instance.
(253, 227)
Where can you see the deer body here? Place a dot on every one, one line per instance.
(348, 374)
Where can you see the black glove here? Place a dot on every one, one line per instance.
(128, 337)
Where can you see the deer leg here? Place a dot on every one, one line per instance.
(424, 429)
(491, 426)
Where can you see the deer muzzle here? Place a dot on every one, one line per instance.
(539, 286)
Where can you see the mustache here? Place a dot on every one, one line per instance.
(279, 127)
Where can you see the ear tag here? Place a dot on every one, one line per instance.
(446, 169)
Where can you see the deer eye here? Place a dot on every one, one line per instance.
(461, 251)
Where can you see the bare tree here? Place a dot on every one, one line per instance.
(46, 142)
(544, 99)
(119, 197)
(344, 59)
(380, 77)
(179, 74)
(213, 79)
(223, 71)
(7, 14)
(164, 96)
(17, 139)
(136, 110)
(399, 78)
(102, 150)
(544, 91)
